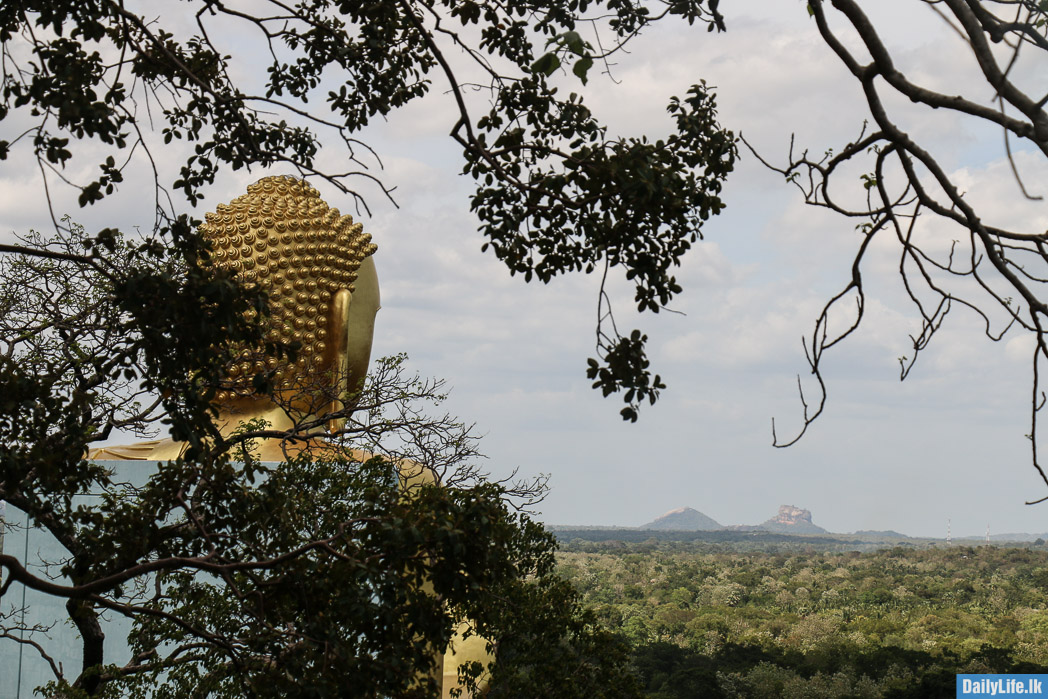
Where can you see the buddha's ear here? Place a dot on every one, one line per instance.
(335, 355)
(350, 331)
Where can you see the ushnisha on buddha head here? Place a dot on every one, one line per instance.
(315, 264)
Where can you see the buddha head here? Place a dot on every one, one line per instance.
(316, 267)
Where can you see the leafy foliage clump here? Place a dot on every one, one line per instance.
(333, 573)
(127, 92)
(329, 573)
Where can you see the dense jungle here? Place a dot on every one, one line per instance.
(801, 621)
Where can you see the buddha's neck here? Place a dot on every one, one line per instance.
(233, 417)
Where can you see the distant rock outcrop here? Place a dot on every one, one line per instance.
(683, 519)
(792, 520)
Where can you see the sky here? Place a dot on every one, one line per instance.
(946, 445)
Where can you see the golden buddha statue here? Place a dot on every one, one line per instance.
(317, 268)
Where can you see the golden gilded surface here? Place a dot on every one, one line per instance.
(283, 238)
(317, 267)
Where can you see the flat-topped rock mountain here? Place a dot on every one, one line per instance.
(792, 520)
(683, 519)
